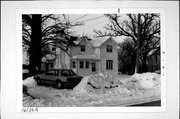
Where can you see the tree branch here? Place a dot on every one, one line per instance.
(27, 19)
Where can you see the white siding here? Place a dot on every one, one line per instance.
(84, 71)
(88, 49)
(97, 51)
(109, 56)
(62, 60)
(67, 61)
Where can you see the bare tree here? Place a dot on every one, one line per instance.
(143, 29)
(38, 31)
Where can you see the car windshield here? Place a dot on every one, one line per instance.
(67, 73)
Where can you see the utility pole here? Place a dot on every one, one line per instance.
(137, 46)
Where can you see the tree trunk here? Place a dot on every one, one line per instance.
(137, 50)
(132, 70)
(144, 65)
(36, 46)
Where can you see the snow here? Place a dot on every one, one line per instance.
(29, 102)
(29, 82)
(101, 81)
(103, 89)
(145, 80)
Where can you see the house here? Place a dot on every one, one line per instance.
(57, 59)
(90, 56)
(94, 56)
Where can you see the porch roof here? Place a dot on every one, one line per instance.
(86, 56)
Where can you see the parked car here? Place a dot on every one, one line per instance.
(59, 77)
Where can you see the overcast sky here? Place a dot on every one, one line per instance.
(91, 22)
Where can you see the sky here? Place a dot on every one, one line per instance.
(91, 22)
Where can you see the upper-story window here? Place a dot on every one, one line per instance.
(82, 48)
(109, 48)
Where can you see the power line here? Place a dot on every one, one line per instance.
(87, 27)
(94, 24)
(93, 18)
(79, 17)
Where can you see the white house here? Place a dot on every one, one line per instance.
(94, 56)
(89, 56)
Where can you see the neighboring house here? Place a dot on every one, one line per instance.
(153, 61)
(48, 62)
(94, 56)
(58, 59)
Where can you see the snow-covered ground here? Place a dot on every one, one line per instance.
(101, 89)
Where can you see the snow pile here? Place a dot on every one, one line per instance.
(82, 85)
(98, 83)
(29, 82)
(145, 80)
(101, 89)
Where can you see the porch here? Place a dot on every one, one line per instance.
(84, 65)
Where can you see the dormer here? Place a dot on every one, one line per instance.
(83, 47)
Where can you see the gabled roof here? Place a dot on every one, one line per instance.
(97, 42)
(82, 38)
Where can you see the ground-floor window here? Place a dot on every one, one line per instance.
(73, 64)
(81, 64)
(93, 66)
(109, 64)
(87, 64)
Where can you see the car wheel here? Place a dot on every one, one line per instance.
(38, 81)
(58, 84)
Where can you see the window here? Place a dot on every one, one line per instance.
(82, 48)
(109, 48)
(73, 64)
(87, 64)
(81, 64)
(71, 73)
(57, 73)
(51, 72)
(67, 73)
(93, 66)
(64, 73)
(109, 64)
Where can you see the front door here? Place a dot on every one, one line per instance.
(93, 66)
